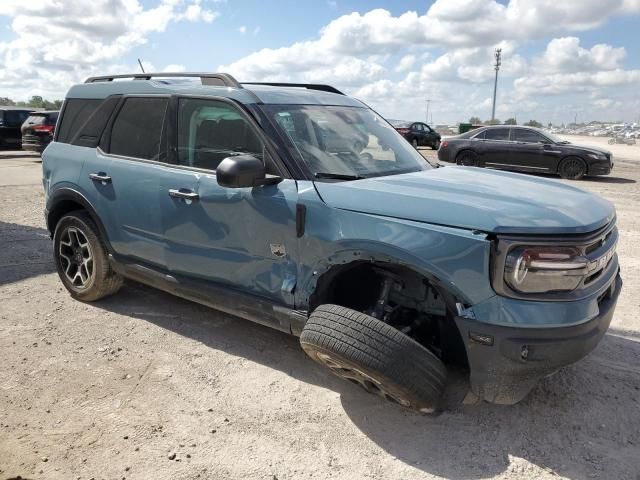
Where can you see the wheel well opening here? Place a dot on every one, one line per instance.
(403, 298)
(60, 210)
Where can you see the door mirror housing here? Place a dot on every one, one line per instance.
(243, 171)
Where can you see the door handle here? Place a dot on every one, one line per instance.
(184, 194)
(100, 177)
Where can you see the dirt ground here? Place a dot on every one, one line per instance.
(147, 386)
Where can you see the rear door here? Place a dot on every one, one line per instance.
(126, 177)
(495, 147)
(241, 237)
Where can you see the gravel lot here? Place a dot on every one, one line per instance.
(146, 386)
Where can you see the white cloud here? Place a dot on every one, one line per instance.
(242, 29)
(405, 63)
(566, 55)
(59, 43)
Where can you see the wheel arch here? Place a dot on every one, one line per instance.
(572, 155)
(365, 272)
(66, 200)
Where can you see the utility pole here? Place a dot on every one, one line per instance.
(428, 100)
(498, 56)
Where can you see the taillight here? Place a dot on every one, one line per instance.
(444, 144)
(43, 128)
(403, 130)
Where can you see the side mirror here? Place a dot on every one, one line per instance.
(243, 171)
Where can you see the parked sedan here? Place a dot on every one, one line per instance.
(37, 130)
(417, 133)
(525, 149)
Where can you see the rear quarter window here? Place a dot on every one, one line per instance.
(75, 114)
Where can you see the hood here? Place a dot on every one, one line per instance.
(476, 199)
(589, 148)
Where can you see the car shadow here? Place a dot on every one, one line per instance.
(25, 252)
(607, 179)
(560, 427)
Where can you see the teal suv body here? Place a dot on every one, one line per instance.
(300, 208)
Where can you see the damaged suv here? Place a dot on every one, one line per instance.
(298, 207)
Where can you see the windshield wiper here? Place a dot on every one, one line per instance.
(338, 176)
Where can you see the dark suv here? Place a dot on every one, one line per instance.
(37, 130)
(11, 120)
(300, 208)
(417, 134)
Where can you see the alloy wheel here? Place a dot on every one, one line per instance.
(358, 377)
(76, 257)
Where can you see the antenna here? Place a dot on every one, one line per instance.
(498, 56)
(141, 67)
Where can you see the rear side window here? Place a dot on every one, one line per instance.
(75, 114)
(138, 127)
(497, 134)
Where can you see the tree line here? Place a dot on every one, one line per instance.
(508, 121)
(35, 102)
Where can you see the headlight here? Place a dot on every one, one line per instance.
(544, 269)
(597, 156)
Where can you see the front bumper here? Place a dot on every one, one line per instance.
(506, 362)
(601, 167)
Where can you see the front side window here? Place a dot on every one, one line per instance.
(345, 141)
(528, 136)
(497, 134)
(210, 131)
(138, 127)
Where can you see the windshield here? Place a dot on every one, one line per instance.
(346, 143)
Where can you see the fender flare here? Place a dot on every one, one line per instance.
(65, 194)
(354, 256)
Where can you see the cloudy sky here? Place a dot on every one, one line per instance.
(560, 58)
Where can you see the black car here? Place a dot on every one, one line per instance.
(525, 149)
(11, 120)
(417, 133)
(37, 130)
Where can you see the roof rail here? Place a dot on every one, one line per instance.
(310, 86)
(214, 79)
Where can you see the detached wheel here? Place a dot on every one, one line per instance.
(572, 168)
(81, 259)
(467, 158)
(414, 142)
(375, 356)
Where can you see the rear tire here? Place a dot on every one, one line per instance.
(81, 259)
(572, 168)
(374, 355)
(467, 158)
(436, 145)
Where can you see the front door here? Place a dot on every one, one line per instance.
(244, 238)
(529, 151)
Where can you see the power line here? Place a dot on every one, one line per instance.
(498, 57)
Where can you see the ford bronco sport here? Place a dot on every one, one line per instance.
(298, 207)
